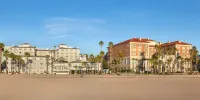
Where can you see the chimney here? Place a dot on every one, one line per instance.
(168, 41)
(140, 39)
(179, 41)
(147, 38)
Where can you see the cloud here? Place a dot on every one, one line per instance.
(61, 27)
(61, 36)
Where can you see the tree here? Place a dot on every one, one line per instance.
(30, 62)
(69, 64)
(182, 63)
(52, 64)
(13, 60)
(105, 64)
(98, 60)
(143, 59)
(134, 59)
(155, 61)
(187, 60)
(18, 58)
(110, 45)
(178, 59)
(102, 53)
(193, 57)
(27, 55)
(91, 60)
(22, 64)
(1, 49)
(169, 61)
(83, 65)
(120, 57)
(160, 63)
(101, 43)
(114, 63)
(6, 55)
(47, 64)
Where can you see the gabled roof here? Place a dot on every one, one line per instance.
(175, 43)
(141, 40)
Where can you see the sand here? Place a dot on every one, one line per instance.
(41, 87)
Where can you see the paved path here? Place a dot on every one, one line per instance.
(61, 87)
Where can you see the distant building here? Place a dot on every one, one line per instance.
(137, 51)
(68, 53)
(182, 48)
(37, 66)
(132, 49)
(21, 49)
(66, 60)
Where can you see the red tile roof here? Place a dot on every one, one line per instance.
(143, 40)
(174, 43)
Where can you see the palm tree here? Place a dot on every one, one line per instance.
(18, 58)
(47, 64)
(160, 64)
(22, 64)
(179, 58)
(102, 53)
(155, 61)
(143, 58)
(83, 65)
(91, 60)
(30, 62)
(114, 63)
(101, 43)
(27, 55)
(182, 63)
(134, 59)
(13, 58)
(52, 64)
(120, 56)
(169, 61)
(187, 63)
(1, 49)
(69, 64)
(98, 60)
(193, 59)
(6, 55)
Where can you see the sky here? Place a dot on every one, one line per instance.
(83, 23)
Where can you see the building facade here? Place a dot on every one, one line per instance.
(181, 47)
(137, 52)
(68, 53)
(66, 60)
(133, 50)
(21, 49)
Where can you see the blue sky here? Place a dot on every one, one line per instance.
(83, 23)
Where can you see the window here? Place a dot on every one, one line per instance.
(140, 49)
(133, 53)
(139, 45)
(134, 49)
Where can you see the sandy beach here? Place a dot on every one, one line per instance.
(62, 87)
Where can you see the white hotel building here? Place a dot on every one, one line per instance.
(66, 59)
